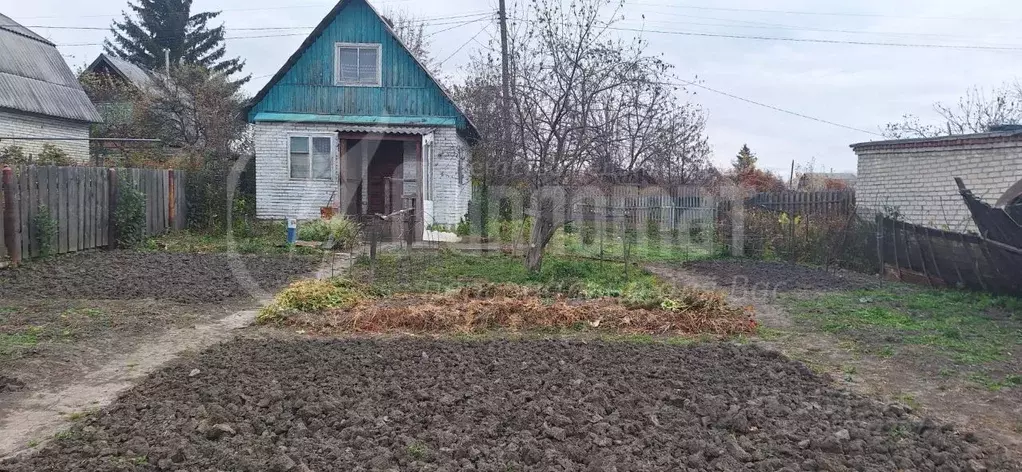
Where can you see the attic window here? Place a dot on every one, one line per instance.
(357, 64)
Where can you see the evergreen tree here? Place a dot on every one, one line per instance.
(169, 24)
(745, 161)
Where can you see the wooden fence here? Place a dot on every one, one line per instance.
(80, 202)
(942, 258)
(670, 208)
(797, 202)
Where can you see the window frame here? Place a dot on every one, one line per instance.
(337, 64)
(309, 137)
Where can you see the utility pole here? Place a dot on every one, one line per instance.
(505, 76)
(505, 97)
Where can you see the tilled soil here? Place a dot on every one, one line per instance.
(123, 275)
(412, 404)
(751, 275)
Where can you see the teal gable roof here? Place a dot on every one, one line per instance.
(304, 88)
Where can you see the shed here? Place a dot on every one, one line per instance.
(915, 178)
(41, 101)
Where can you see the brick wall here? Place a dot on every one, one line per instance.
(278, 196)
(451, 179)
(919, 181)
(26, 125)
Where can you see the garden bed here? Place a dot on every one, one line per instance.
(125, 275)
(747, 274)
(256, 405)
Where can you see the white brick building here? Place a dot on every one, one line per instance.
(355, 122)
(41, 101)
(915, 177)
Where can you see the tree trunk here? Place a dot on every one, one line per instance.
(542, 231)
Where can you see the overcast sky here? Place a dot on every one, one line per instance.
(859, 86)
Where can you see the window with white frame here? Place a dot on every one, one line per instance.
(311, 157)
(357, 64)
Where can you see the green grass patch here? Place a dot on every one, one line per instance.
(265, 237)
(432, 272)
(11, 344)
(968, 328)
(639, 249)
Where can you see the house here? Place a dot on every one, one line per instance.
(116, 109)
(355, 122)
(916, 177)
(41, 101)
(826, 181)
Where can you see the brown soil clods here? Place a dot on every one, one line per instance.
(413, 404)
(123, 275)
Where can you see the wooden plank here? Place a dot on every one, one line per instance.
(90, 209)
(72, 210)
(33, 211)
(53, 203)
(62, 209)
(103, 195)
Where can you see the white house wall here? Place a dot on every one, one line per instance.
(277, 195)
(36, 126)
(451, 178)
(919, 182)
(280, 197)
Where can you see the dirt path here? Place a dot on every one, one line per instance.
(954, 401)
(37, 416)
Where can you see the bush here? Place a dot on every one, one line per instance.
(129, 218)
(343, 231)
(652, 232)
(46, 231)
(52, 156)
(588, 232)
(464, 227)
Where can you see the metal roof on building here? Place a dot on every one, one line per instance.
(35, 79)
(137, 76)
(1007, 135)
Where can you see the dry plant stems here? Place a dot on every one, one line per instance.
(517, 308)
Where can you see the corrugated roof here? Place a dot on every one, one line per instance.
(35, 79)
(940, 141)
(10, 25)
(383, 129)
(138, 76)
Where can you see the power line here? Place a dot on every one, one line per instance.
(815, 13)
(771, 107)
(435, 21)
(441, 63)
(824, 41)
(457, 26)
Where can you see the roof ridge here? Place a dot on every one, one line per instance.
(21, 30)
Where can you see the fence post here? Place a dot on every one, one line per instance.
(12, 224)
(737, 226)
(114, 194)
(410, 222)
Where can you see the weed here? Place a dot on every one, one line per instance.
(313, 296)
(66, 434)
(342, 231)
(33, 443)
(78, 415)
(850, 370)
(908, 400)
(886, 351)
(11, 344)
(946, 373)
(417, 450)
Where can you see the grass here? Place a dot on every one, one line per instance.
(265, 237)
(641, 250)
(965, 328)
(432, 272)
(12, 344)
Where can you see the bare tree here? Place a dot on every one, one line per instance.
(411, 30)
(975, 112)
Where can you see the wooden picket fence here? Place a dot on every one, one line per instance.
(671, 208)
(798, 202)
(80, 201)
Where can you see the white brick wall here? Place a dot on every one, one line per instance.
(451, 178)
(919, 182)
(279, 197)
(33, 126)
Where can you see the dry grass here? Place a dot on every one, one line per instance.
(516, 308)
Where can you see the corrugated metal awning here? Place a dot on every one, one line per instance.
(381, 129)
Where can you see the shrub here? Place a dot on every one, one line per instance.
(588, 232)
(13, 155)
(46, 231)
(652, 232)
(696, 233)
(52, 156)
(129, 218)
(343, 231)
(464, 227)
